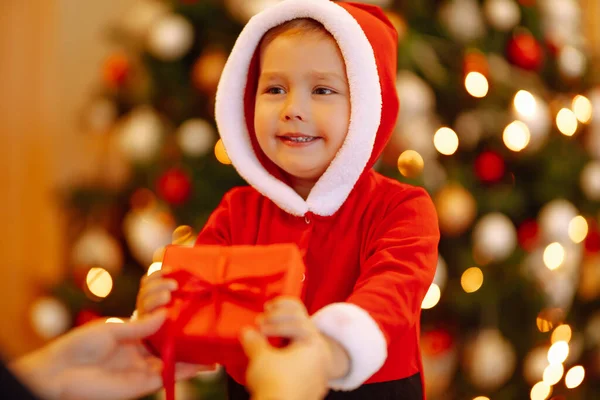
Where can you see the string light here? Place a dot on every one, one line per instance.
(525, 103)
(516, 136)
(578, 229)
(540, 391)
(558, 352)
(471, 280)
(445, 141)
(553, 374)
(114, 320)
(561, 333)
(566, 122)
(582, 107)
(476, 84)
(99, 282)
(574, 377)
(432, 297)
(554, 256)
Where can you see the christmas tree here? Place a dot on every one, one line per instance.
(497, 123)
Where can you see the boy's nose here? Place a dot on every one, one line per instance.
(293, 110)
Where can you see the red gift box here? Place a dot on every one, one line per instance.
(221, 290)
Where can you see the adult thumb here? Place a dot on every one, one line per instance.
(253, 342)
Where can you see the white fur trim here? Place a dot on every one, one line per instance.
(355, 330)
(337, 182)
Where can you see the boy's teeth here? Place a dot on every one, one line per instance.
(301, 139)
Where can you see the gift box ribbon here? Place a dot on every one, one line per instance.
(249, 291)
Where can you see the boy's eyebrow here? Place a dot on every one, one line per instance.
(318, 75)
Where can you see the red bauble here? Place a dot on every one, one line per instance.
(489, 167)
(525, 52)
(116, 70)
(436, 342)
(174, 186)
(592, 240)
(528, 234)
(475, 61)
(84, 316)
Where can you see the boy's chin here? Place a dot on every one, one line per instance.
(302, 174)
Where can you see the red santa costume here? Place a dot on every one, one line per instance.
(370, 242)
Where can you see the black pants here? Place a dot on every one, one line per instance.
(402, 389)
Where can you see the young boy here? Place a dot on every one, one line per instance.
(305, 106)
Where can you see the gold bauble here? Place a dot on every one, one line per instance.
(410, 164)
(456, 209)
(207, 70)
(221, 153)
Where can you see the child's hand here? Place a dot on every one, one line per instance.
(287, 317)
(155, 289)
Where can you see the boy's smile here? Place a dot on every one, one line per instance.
(302, 108)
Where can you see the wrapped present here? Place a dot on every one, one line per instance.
(221, 290)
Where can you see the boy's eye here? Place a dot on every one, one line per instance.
(275, 90)
(323, 91)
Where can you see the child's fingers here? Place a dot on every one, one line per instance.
(291, 304)
(182, 234)
(281, 316)
(295, 330)
(158, 285)
(155, 300)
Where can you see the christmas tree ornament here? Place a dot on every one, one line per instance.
(528, 235)
(141, 16)
(434, 176)
(410, 164)
(98, 248)
(489, 167)
(208, 68)
(116, 70)
(49, 317)
(174, 186)
(142, 199)
(101, 114)
(456, 209)
(86, 316)
(417, 134)
(590, 180)
(475, 61)
(554, 219)
(415, 95)
(221, 153)
(440, 360)
(494, 237)
(170, 38)
(572, 62)
(592, 240)
(490, 359)
(146, 231)
(196, 137)
(463, 20)
(503, 15)
(524, 51)
(535, 363)
(140, 135)
(469, 128)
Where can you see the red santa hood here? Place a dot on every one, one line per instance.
(368, 43)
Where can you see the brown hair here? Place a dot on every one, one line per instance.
(294, 27)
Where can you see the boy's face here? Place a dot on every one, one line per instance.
(302, 103)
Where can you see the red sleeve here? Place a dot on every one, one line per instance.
(217, 230)
(397, 269)
(399, 265)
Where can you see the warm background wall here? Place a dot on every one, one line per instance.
(50, 51)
